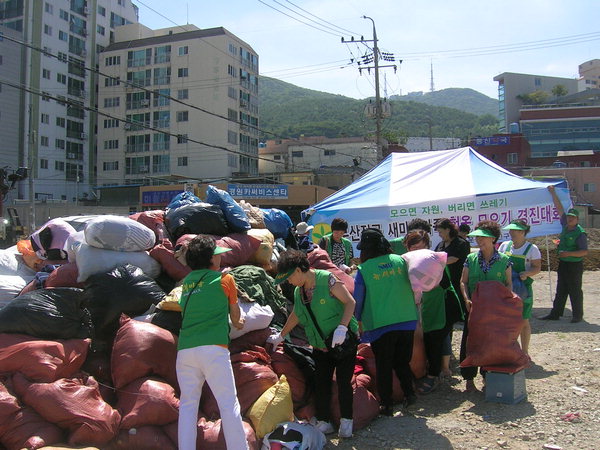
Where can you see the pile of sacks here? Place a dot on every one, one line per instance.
(75, 367)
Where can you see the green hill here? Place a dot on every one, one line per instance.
(289, 111)
(467, 100)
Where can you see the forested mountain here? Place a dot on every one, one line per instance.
(465, 99)
(287, 110)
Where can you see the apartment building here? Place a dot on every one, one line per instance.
(57, 138)
(183, 104)
(589, 75)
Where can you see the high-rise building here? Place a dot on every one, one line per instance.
(57, 138)
(182, 103)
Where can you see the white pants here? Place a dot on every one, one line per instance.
(208, 363)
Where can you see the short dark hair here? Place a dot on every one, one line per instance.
(373, 244)
(291, 259)
(492, 227)
(339, 224)
(416, 236)
(199, 252)
(447, 224)
(418, 224)
(464, 228)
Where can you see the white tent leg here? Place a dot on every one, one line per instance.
(549, 272)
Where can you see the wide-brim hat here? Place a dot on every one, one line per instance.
(516, 226)
(219, 250)
(303, 228)
(481, 232)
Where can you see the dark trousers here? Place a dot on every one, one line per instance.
(344, 369)
(570, 276)
(434, 349)
(393, 352)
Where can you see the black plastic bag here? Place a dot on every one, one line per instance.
(125, 289)
(169, 320)
(57, 313)
(199, 218)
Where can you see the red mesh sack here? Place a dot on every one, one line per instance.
(74, 404)
(29, 287)
(172, 430)
(495, 322)
(319, 259)
(142, 438)
(365, 406)
(147, 401)
(255, 353)
(29, 430)
(143, 349)
(249, 340)
(211, 437)
(283, 364)
(251, 381)
(97, 364)
(418, 362)
(64, 276)
(168, 262)
(366, 352)
(38, 360)
(242, 246)
(8, 406)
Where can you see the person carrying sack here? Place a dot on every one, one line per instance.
(325, 308)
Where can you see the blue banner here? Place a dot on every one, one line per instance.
(158, 198)
(264, 191)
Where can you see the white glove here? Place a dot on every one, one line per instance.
(275, 339)
(339, 335)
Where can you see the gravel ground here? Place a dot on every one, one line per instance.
(564, 379)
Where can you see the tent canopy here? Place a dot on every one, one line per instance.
(459, 184)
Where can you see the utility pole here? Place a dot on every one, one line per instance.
(367, 59)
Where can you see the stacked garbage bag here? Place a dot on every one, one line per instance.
(89, 323)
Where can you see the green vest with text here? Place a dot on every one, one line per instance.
(497, 272)
(205, 311)
(398, 246)
(568, 242)
(327, 310)
(347, 247)
(389, 297)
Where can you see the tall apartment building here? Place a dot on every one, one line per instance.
(208, 134)
(589, 75)
(57, 139)
(512, 85)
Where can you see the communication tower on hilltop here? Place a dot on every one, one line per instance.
(432, 88)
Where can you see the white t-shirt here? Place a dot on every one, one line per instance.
(533, 254)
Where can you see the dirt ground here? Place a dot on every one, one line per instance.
(564, 378)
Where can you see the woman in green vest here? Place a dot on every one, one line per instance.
(337, 246)
(526, 262)
(322, 298)
(486, 264)
(385, 306)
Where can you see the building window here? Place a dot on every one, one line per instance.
(232, 92)
(537, 82)
(111, 123)
(512, 158)
(59, 143)
(63, 15)
(161, 141)
(110, 165)
(182, 116)
(43, 163)
(276, 157)
(111, 144)
(297, 154)
(47, 30)
(59, 165)
(329, 152)
(102, 11)
(100, 29)
(162, 54)
(232, 114)
(112, 60)
(48, 8)
(232, 137)
(111, 102)
(231, 70)
(44, 141)
(60, 122)
(584, 164)
(110, 81)
(46, 74)
(182, 50)
(182, 161)
(232, 160)
(45, 118)
(182, 72)
(182, 94)
(63, 57)
(182, 138)
(61, 78)
(161, 163)
(589, 187)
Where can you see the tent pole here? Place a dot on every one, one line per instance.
(549, 273)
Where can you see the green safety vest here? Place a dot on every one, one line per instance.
(398, 246)
(433, 306)
(347, 247)
(568, 242)
(497, 272)
(327, 309)
(205, 311)
(389, 297)
(519, 266)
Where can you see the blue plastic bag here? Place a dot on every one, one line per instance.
(185, 198)
(234, 214)
(277, 222)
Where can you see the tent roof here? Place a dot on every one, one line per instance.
(409, 178)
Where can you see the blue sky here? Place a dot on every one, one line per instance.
(468, 41)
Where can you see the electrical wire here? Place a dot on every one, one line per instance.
(298, 20)
(323, 20)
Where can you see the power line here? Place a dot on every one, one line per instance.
(307, 18)
(298, 20)
(323, 20)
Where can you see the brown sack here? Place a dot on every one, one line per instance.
(146, 437)
(147, 401)
(495, 322)
(211, 437)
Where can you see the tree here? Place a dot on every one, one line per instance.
(534, 98)
(560, 90)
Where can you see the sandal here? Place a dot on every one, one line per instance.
(428, 385)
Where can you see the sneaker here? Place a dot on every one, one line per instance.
(324, 427)
(345, 430)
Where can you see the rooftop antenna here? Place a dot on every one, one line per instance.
(187, 13)
(432, 88)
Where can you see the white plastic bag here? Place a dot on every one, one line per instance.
(256, 317)
(119, 233)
